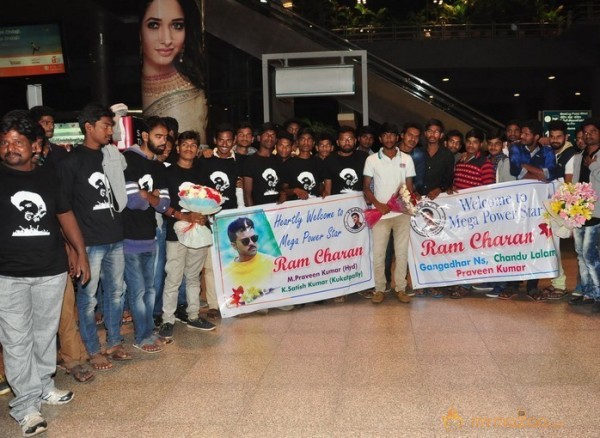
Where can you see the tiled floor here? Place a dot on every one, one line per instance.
(503, 368)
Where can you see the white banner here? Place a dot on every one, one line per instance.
(484, 234)
(292, 253)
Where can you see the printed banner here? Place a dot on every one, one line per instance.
(483, 234)
(296, 252)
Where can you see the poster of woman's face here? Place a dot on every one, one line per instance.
(172, 63)
(162, 35)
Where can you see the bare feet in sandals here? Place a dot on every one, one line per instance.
(148, 348)
(100, 362)
(81, 373)
(118, 353)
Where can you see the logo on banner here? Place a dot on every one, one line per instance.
(429, 220)
(354, 220)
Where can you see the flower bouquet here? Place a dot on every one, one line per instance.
(197, 199)
(403, 201)
(569, 208)
(241, 297)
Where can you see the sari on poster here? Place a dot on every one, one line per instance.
(291, 253)
(483, 234)
(172, 63)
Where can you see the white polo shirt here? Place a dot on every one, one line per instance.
(389, 174)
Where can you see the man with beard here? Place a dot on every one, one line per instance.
(147, 194)
(531, 160)
(344, 167)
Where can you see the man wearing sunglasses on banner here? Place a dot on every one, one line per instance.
(250, 268)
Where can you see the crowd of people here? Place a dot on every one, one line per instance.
(107, 219)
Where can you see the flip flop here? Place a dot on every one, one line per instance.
(118, 353)
(100, 362)
(148, 348)
(81, 374)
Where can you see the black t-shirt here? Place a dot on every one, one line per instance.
(32, 245)
(345, 173)
(221, 174)
(265, 173)
(439, 171)
(175, 176)
(145, 174)
(305, 174)
(88, 191)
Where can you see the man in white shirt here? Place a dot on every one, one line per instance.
(389, 169)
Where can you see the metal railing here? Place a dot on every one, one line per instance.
(411, 84)
(450, 31)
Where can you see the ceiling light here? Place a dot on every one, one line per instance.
(551, 77)
(445, 79)
(577, 93)
(517, 94)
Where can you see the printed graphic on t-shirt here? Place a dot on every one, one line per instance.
(350, 179)
(307, 180)
(271, 178)
(221, 182)
(99, 181)
(33, 208)
(146, 183)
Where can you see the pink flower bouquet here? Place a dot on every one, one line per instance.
(401, 202)
(197, 199)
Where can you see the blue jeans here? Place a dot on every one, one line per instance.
(139, 278)
(587, 240)
(29, 315)
(107, 264)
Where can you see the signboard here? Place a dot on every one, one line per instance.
(31, 50)
(296, 252)
(483, 234)
(572, 118)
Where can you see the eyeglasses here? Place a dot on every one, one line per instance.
(246, 240)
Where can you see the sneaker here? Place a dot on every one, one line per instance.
(378, 297)
(166, 331)
(201, 324)
(388, 286)
(203, 304)
(286, 308)
(181, 314)
(57, 397)
(402, 297)
(493, 294)
(33, 424)
(482, 287)
(409, 292)
(158, 321)
(4, 388)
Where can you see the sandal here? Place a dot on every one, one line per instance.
(81, 374)
(553, 293)
(213, 313)
(148, 348)
(458, 292)
(506, 294)
(118, 353)
(536, 295)
(127, 318)
(100, 362)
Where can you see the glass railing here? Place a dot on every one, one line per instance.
(390, 72)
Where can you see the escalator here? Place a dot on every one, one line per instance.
(394, 94)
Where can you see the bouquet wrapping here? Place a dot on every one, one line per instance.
(401, 202)
(197, 199)
(569, 208)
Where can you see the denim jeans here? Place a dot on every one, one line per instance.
(587, 240)
(139, 278)
(107, 264)
(29, 315)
